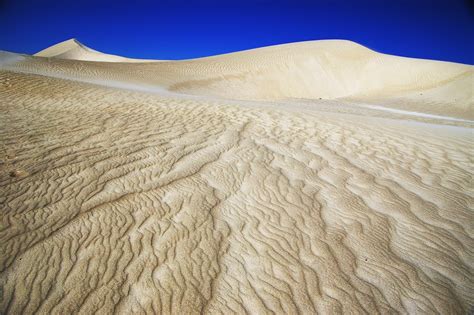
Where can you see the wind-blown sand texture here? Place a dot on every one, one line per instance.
(315, 177)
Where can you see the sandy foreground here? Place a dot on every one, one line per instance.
(315, 177)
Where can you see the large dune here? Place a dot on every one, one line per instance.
(330, 69)
(314, 177)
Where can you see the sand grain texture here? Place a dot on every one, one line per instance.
(240, 183)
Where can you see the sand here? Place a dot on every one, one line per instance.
(315, 177)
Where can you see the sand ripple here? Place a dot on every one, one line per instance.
(127, 202)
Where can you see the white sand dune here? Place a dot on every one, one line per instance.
(328, 69)
(73, 49)
(314, 177)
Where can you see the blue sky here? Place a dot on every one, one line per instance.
(442, 30)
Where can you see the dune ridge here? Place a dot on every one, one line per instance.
(75, 50)
(330, 69)
(265, 181)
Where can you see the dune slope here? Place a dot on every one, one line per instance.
(160, 188)
(330, 69)
(74, 50)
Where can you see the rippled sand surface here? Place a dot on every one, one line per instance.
(124, 190)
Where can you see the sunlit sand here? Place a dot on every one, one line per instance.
(313, 177)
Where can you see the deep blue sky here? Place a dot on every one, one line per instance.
(432, 29)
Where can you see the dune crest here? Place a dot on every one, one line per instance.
(74, 50)
(329, 69)
(315, 178)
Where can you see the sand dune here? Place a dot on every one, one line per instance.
(315, 177)
(329, 69)
(73, 49)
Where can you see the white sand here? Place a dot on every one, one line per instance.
(405, 112)
(73, 49)
(315, 177)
